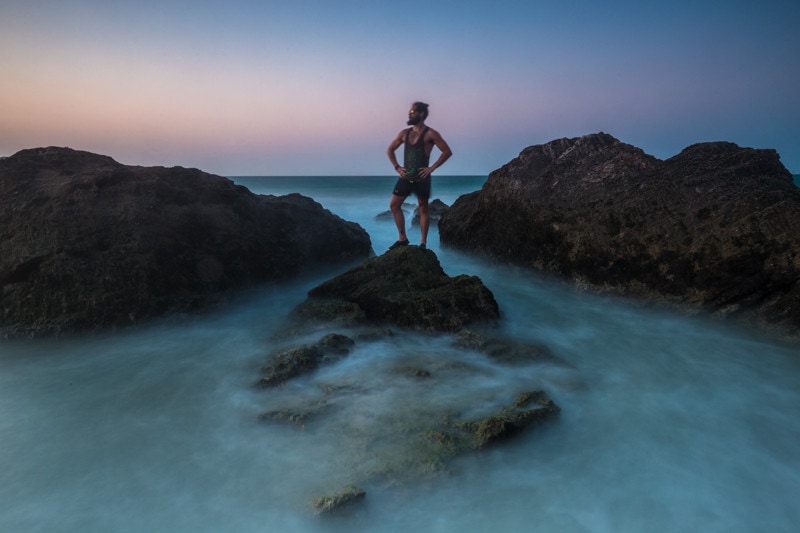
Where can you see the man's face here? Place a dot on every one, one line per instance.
(414, 117)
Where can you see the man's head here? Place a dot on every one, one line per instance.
(418, 113)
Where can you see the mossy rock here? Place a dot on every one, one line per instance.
(297, 416)
(511, 420)
(346, 497)
(294, 362)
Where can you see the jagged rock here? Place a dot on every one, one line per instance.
(288, 364)
(436, 209)
(344, 498)
(88, 243)
(713, 227)
(408, 288)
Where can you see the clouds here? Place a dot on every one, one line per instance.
(321, 88)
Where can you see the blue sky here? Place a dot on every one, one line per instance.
(321, 87)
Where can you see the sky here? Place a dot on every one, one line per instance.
(320, 87)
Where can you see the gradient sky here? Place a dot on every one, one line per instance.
(320, 87)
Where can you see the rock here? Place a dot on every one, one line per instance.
(403, 438)
(296, 415)
(452, 438)
(342, 499)
(509, 352)
(387, 215)
(436, 209)
(714, 227)
(408, 288)
(88, 243)
(334, 343)
(291, 363)
(329, 312)
(511, 420)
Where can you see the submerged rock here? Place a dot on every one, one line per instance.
(713, 227)
(504, 351)
(296, 415)
(336, 503)
(88, 243)
(511, 420)
(528, 409)
(388, 216)
(294, 362)
(405, 287)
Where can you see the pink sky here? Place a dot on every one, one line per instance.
(242, 88)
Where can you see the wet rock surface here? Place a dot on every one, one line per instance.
(87, 243)
(338, 502)
(714, 227)
(304, 359)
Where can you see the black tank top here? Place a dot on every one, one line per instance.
(414, 156)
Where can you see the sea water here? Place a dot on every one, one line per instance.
(668, 422)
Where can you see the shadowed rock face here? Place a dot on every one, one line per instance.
(88, 243)
(715, 226)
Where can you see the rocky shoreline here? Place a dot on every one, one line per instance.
(88, 244)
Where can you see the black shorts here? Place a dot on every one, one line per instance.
(421, 188)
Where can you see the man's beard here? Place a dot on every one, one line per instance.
(413, 121)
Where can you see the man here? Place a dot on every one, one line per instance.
(415, 174)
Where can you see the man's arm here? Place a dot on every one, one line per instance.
(393, 146)
(442, 145)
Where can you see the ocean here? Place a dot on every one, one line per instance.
(669, 422)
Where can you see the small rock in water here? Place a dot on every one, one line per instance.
(344, 498)
(288, 364)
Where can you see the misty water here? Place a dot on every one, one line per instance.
(668, 423)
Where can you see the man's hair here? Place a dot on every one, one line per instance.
(421, 107)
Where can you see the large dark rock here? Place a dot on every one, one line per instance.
(87, 243)
(405, 287)
(715, 226)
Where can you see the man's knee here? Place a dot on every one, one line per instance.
(396, 202)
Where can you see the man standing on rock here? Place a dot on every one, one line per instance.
(415, 174)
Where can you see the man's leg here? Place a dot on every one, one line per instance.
(396, 205)
(424, 220)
